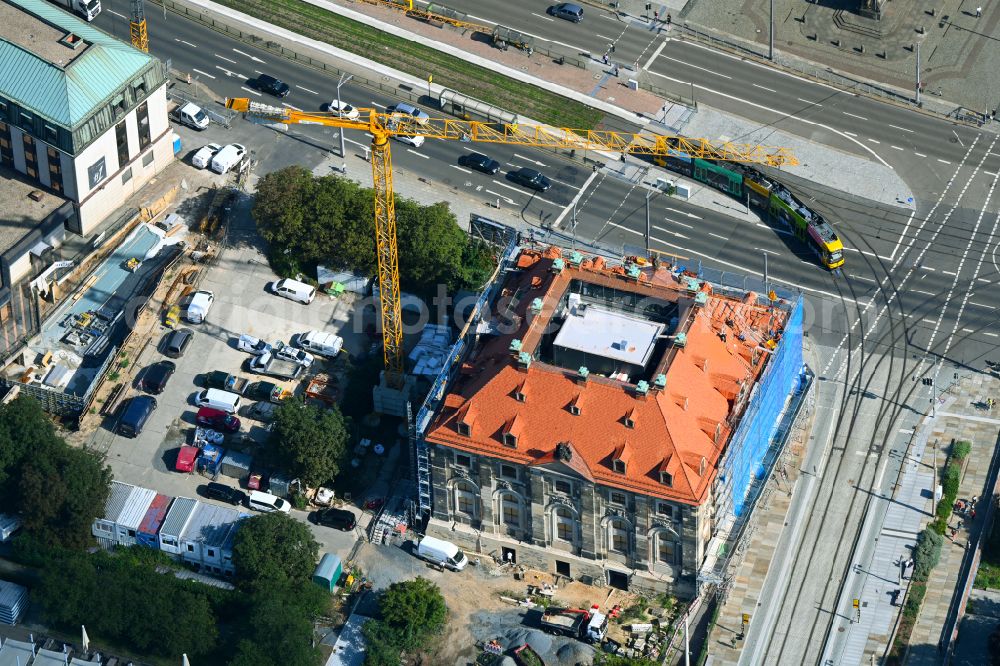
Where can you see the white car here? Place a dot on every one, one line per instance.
(228, 157)
(323, 343)
(266, 502)
(205, 154)
(294, 354)
(344, 110)
(252, 345)
(415, 141)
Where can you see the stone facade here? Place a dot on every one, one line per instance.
(551, 518)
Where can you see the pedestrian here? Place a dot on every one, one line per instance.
(979, 12)
(668, 19)
(623, 158)
(189, 78)
(656, 15)
(611, 47)
(953, 533)
(606, 59)
(972, 514)
(975, 498)
(961, 524)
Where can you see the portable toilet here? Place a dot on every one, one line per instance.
(328, 572)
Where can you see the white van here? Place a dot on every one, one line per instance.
(8, 525)
(266, 502)
(323, 343)
(198, 308)
(228, 157)
(443, 553)
(191, 115)
(218, 399)
(294, 290)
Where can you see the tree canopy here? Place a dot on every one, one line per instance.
(411, 612)
(60, 489)
(308, 441)
(328, 220)
(273, 548)
(278, 627)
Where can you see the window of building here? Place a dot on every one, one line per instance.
(564, 524)
(131, 533)
(121, 138)
(574, 409)
(664, 509)
(563, 487)
(139, 88)
(463, 460)
(510, 439)
(190, 548)
(618, 536)
(55, 169)
(463, 429)
(618, 498)
(147, 159)
(142, 116)
(508, 471)
(666, 552)
(169, 542)
(211, 552)
(6, 148)
(127, 175)
(667, 479)
(3, 109)
(618, 466)
(118, 106)
(465, 498)
(629, 423)
(51, 134)
(511, 511)
(26, 121)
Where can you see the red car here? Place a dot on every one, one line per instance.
(217, 419)
(186, 458)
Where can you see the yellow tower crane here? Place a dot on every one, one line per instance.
(137, 26)
(382, 126)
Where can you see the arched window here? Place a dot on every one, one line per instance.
(466, 499)
(666, 549)
(618, 536)
(510, 510)
(564, 524)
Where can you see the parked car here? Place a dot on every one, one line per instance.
(198, 306)
(135, 414)
(228, 157)
(224, 493)
(155, 377)
(479, 162)
(266, 502)
(217, 419)
(9, 524)
(344, 110)
(409, 110)
(340, 519)
(205, 154)
(530, 178)
(323, 343)
(177, 342)
(415, 141)
(294, 290)
(294, 354)
(252, 345)
(272, 86)
(217, 399)
(262, 411)
(568, 11)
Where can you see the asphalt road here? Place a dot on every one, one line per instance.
(916, 297)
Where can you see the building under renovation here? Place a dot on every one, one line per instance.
(605, 422)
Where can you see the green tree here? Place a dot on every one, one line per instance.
(415, 609)
(274, 548)
(24, 429)
(278, 629)
(308, 441)
(430, 244)
(926, 554)
(605, 659)
(60, 492)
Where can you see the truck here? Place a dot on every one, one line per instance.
(88, 9)
(220, 379)
(191, 115)
(270, 364)
(585, 625)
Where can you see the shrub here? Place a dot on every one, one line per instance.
(914, 599)
(952, 473)
(944, 509)
(927, 553)
(940, 525)
(961, 449)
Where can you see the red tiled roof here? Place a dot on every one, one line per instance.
(673, 429)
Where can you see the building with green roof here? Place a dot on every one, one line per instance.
(81, 112)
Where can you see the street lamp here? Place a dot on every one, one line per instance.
(344, 78)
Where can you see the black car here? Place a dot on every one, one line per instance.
(340, 519)
(155, 378)
(530, 178)
(272, 86)
(223, 493)
(176, 343)
(135, 414)
(479, 162)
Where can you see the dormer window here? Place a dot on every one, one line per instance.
(618, 465)
(667, 479)
(702, 466)
(574, 410)
(520, 397)
(629, 423)
(510, 439)
(464, 429)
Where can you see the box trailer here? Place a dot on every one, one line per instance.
(328, 572)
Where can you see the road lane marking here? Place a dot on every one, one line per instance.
(410, 150)
(901, 235)
(874, 141)
(850, 133)
(667, 219)
(501, 196)
(231, 73)
(905, 129)
(656, 54)
(194, 46)
(307, 90)
(897, 148)
(928, 268)
(919, 291)
(252, 57)
(755, 85)
(455, 166)
(943, 161)
(853, 115)
(203, 73)
(609, 40)
(224, 58)
(290, 106)
(984, 280)
(967, 330)
(672, 233)
(992, 335)
(253, 92)
(531, 193)
(949, 272)
(983, 305)
(866, 279)
(958, 138)
(547, 18)
(528, 159)
(809, 101)
(718, 236)
(571, 204)
(120, 15)
(681, 212)
(919, 154)
(704, 69)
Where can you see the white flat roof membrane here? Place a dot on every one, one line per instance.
(613, 335)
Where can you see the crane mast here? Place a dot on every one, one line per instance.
(137, 26)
